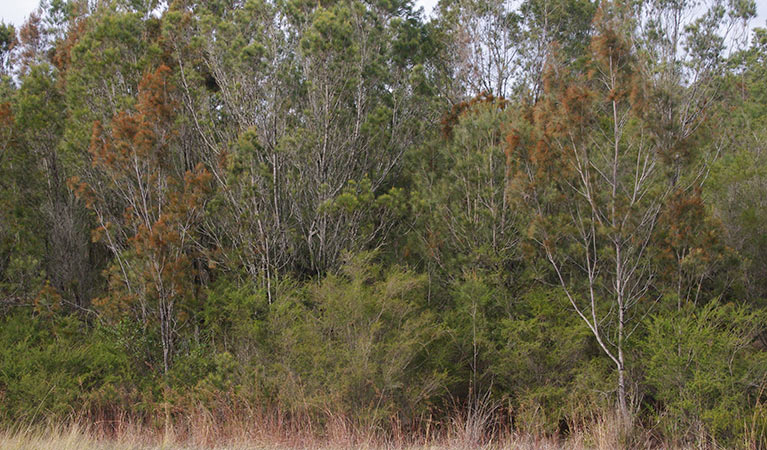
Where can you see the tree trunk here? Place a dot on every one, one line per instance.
(622, 392)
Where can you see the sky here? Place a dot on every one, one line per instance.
(15, 11)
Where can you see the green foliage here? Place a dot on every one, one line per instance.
(461, 199)
(31, 179)
(549, 363)
(7, 42)
(109, 57)
(706, 372)
(736, 190)
(61, 367)
(357, 343)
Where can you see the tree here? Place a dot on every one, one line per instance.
(461, 192)
(148, 202)
(692, 258)
(21, 220)
(501, 47)
(71, 261)
(737, 187)
(7, 42)
(301, 105)
(597, 169)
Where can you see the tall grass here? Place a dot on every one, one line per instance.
(473, 428)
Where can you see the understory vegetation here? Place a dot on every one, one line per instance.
(523, 224)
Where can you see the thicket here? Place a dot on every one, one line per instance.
(538, 215)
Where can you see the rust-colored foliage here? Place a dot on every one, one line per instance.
(47, 301)
(689, 245)
(30, 41)
(576, 103)
(136, 149)
(683, 218)
(152, 236)
(7, 123)
(76, 29)
(62, 55)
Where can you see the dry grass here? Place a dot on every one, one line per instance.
(75, 438)
(202, 432)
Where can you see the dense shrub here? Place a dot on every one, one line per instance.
(707, 373)
(57, 367)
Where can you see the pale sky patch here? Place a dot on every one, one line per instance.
(16, 11)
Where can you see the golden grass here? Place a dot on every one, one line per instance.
(73, 438)
(200, 431)
(89, 437)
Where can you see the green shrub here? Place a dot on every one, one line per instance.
(355, 343)
(53, 368)
(549, 364)
(705, 372)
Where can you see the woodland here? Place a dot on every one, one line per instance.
(534, 215)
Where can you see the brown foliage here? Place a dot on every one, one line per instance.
(690, 245)
(62, 54)
(7, 122)
(147, 207)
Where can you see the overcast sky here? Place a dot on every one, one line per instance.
(14, 11)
